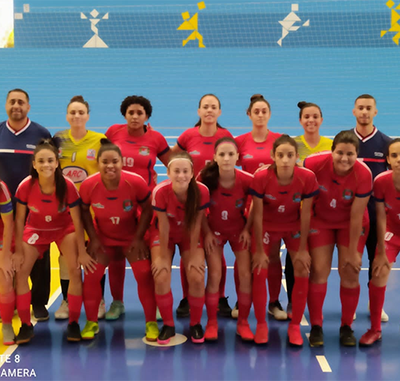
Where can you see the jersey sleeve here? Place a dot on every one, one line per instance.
(364, 180)
(5, 199)
(84, 191)
(21, 195)
(183, 140)
(162, 145)
(73, 198)
(141, 188)
(257, 187)
(110, 133)
(159, 200)
(204, 196)
(311, 188)
(378, 190)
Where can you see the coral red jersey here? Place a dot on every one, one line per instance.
(253, 155)
(45, 212)
(385, 191)
(282, 203)
(139, 153)
(165, 200)
(115, 210)
(6, 206)
(200, 148)
(333, 206)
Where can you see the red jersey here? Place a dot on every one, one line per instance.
(6, 206)
(385, 191)
(165, 200)
(200, 148)
(337, 193)
(282, 203)
(227, 206)
(253, 155)
(139, 153)
(44, 213)
(115, 210)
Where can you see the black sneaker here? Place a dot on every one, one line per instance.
(40, 313)
(25, 334)
(165, 335)
(224, 310)
(197, 334)
(73, 332)
(183, 309)
(347, 338)
(316, 336)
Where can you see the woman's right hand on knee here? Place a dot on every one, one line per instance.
(17, 260)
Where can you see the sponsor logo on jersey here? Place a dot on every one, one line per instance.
(296, 235)
(379, 154)
(76, 174)
(208, 143)
(144, 151)
(98, 206)
(33, 209)
(323, 188)
(31, 146)
(91, 154)
(313, 231)
(170, 215)
(260, 147)
(297, 197)
(239, 203)
(347, 194)
(389, 206)
(194, 153)
(270, 197)
(127, 205)
(247, 156)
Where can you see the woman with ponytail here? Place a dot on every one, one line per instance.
(179, 203)
(114, 196)
(199, 143)
(54, 216)
(229, 189)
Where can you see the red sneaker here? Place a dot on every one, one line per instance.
(370, 337)
(261, 336)
(244, 331)
(294, 335)
(211, 333)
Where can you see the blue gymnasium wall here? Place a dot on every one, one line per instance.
(339, 56)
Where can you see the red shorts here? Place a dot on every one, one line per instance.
(183, 241)
(322, 237)
(42, 239)
(392, 246)
(270, 239)
(233, 240)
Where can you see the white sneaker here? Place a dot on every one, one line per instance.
(63, 311)
(384, 315)
(275, 309)
(102, 310)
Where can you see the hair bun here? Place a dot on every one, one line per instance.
(301, 104)
(77, 98)
(104, 141)
(256, 96)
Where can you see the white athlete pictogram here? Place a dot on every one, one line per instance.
(288, 23)
(95, 41)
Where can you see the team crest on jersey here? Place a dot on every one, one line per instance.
(347, 194)
(91, 154)
(270, 197)
(98, 206)
(239, 203)
(33, 209)
(297, 197)
(144, 151)
(194, 153)
(127, 205)
(248, 156)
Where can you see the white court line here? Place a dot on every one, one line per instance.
(323, 363)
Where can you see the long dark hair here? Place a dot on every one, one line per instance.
(198, 124)
(210, 173)
(192, 203)
(53, 145)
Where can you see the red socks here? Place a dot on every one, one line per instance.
(349, 298)
(299, 298)
(316, 297)
(274, 280)
(244, 302)
(196, 309)
(212, 306)
(7, 304)
(184, 281)
(260, 294)
(376, 300)
(223, 277)
(75, 305)
(116, 274)
(91, 294)
(236, 278)
(164, 303)
(23, 307)
(144, 278)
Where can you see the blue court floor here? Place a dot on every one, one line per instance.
(118, 352)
